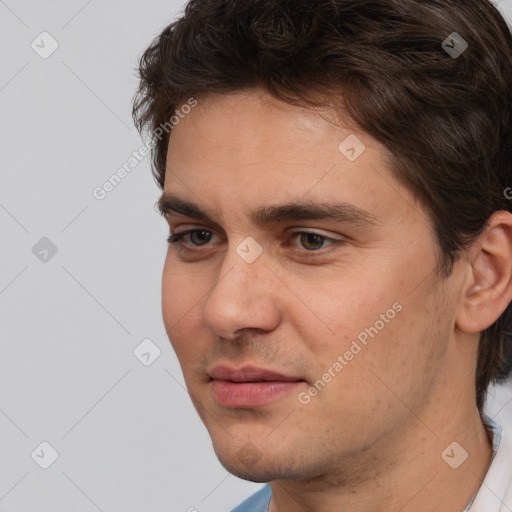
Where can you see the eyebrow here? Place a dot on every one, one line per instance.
(264, 215)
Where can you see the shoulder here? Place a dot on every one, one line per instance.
(257, 502)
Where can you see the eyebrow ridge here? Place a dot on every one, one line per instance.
(299, 210)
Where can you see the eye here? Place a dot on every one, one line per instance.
(204, 236)
(311, 241)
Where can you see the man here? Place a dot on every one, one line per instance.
(339, 271)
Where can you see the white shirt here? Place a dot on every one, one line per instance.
(495, 492)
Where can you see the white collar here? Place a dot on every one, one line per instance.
(495, 492)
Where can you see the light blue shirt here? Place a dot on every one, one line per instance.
(260, 501)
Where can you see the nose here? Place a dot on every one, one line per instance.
(245, 296)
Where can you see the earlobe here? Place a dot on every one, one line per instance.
(489, 284)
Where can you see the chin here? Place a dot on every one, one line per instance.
(247, 462)
(257, 474)
(251, 475)
(250, 464)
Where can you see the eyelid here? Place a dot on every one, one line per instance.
(313, 231)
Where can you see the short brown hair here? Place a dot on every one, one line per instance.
(446, 119)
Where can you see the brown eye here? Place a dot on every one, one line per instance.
(202, 237)
(312, 241)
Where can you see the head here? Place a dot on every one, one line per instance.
(353, 103)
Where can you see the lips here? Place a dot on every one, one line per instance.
(250, 387)
(249, 374)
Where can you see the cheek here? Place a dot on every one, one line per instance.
(182, 293)
(343, 312)
(368, 321)
(393, 345)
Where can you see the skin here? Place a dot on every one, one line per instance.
(372, 438)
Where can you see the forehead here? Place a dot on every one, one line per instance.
(252, 123)
(249, 149)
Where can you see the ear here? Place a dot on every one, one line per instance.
(488, 288)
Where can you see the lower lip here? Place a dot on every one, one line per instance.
(250, 394)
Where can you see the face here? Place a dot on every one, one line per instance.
(303, 302)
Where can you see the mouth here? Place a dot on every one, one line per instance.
(249, 387)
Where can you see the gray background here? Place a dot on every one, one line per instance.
(126, 434)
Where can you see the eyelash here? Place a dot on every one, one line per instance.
(177, 238)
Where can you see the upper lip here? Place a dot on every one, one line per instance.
(249, 374)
